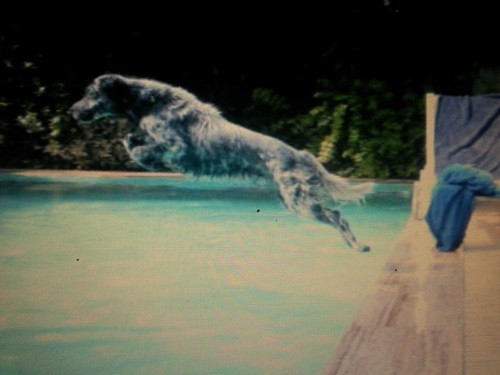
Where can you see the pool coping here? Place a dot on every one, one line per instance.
(141, 174)
(430, 312)
(89, 173)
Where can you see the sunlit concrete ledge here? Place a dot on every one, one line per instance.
(91, 174)
(431, 312)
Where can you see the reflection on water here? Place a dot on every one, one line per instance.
(131, 276)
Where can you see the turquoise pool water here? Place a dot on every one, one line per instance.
(168, 276)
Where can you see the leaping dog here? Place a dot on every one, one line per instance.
(176, 131)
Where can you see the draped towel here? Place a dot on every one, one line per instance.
(453, 201)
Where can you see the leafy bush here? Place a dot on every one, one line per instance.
(358, 128)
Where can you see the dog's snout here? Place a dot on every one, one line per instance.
(72, 111)
(82, 111)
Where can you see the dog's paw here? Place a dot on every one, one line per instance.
(364, 248)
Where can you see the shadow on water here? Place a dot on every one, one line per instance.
(84, 189)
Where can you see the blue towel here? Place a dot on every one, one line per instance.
(453, 201)
(467, 131)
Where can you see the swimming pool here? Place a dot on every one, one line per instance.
(178, 276)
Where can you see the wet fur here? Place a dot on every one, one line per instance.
(176, 131)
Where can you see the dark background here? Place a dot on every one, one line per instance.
(246, 45)
(222, 53)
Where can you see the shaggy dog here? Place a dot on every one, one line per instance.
(176, 131)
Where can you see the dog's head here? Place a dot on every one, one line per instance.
(108, 96)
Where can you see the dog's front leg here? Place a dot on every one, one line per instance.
(148, 157)
(174, 147)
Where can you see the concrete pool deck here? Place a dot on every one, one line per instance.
(431, 312)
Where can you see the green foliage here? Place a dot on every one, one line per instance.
(37, 132)
(269, 98)
(357, 128)
(364, 130)
(326, 152)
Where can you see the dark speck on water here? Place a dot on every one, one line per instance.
(258, 210)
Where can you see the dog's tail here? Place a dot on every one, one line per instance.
(343, 191)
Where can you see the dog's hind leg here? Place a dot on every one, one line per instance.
(300, 197)
(334, 218)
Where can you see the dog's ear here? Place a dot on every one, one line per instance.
(117, 89)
